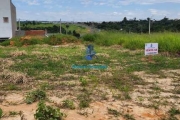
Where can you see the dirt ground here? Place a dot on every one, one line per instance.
(98, 110)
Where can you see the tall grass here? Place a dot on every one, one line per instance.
(168, 42)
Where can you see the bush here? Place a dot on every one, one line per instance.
(35, 96)
(1, 113)
(47, 112)
(90, 37)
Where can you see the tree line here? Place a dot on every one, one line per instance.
(49, 27)
(139, 26)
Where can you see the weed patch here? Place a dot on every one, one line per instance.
(84, 100)
(113, 112)
(45, 112)
(35, 96)
(68, 104)
(1, 113)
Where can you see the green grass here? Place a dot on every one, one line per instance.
(168, 42)
(49, 68)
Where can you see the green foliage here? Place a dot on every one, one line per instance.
(90, 37)
(46, 86)
(113, 112)
(5, 43)
(84, 82)
(68, 104)
(1, 113)
(35, 95)
(139, 26)
(60, 39)
(17, 42)
(84, 100)
(168, 42)
(13, 113)
(173, 111)
(128, 117)
(52, 28)
(32, 41)
(11, 87)
(45, 112)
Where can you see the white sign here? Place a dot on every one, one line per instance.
(151, 48)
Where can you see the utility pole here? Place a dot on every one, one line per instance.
(19, 25)
(149, 25)
(60, 26)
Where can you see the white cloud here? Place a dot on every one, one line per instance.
(48, 1)
(159, 12)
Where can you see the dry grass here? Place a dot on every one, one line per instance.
(13, 77)
(18, 53)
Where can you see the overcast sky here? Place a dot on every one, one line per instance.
(96, 10)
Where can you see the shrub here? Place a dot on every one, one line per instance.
(35, 96)
(90, 37)
(47, 112)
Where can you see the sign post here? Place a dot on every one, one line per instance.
(151, 48)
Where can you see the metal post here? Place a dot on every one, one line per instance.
(60, 26)
(149, 25)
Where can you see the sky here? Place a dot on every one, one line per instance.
(96, 10)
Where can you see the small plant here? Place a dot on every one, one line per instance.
(1, 113)
(84, 82)
(128, 117)
(113, 112)
(68, 104)
(12, 87)
(177, 90)
(46, 86)
(35, 96)
(13, 113)
(84, 100)
(127, 96)
(45, 112)
(173, 111)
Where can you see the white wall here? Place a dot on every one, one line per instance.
(13, 16)
(6, 29)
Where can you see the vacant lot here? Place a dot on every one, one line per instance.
(133, 87)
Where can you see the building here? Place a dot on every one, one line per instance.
(8, 24)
